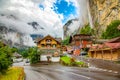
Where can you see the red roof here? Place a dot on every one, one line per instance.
(109, 45)
(113, 45)
(114, 40)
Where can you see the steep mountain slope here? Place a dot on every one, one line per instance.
(104, 11)
(100, 13)
(12, 30)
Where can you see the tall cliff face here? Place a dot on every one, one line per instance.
(104, 11)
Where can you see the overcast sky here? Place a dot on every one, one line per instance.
(49, 14)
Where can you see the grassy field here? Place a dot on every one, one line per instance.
(13, 73)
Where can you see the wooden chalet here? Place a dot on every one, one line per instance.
(50, 47)
(48, 42)
(110, 50)
(80, 41)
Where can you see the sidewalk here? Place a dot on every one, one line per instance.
(99, 63)
(104, 64)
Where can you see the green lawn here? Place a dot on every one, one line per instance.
(13, 73)
(66, 60)
(71, 62)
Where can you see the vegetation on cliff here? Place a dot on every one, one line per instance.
(66, 40)
(86, 29)
(112, 30)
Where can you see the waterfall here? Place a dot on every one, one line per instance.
(84, 12)
(89, 15)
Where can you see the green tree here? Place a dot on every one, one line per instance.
(34, 54)
(23, 52)
(14, 49)
(112, 31)
(5, 57)
(86, 29)
(66, 41)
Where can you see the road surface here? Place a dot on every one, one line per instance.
(59, 72)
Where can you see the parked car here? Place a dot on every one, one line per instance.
(27, 61)
(83, 53)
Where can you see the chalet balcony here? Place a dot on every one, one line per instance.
(48, 42)
(49, 48)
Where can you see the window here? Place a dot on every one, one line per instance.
(48, 40)
(54, 45)
(48, 45)
(42, 45)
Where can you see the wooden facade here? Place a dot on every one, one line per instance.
(105, 54)
(48, 42)
(80, 41)
(108, 51)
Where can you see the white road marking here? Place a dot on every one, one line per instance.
(73, 73)
(103, 70)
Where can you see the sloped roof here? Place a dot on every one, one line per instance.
(84, 36)
(114, 40)
(58, 39)
(113, 45)
(107, 45)
(39, 39)
(16, 54)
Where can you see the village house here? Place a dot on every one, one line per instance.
(81, 41)
(109, 50)
(48, 42)
(49, 46)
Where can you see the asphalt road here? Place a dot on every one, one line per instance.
(59, 72)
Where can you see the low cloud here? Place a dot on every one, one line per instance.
(26, 11)
(16, 14)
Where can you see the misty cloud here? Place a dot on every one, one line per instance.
(16, 14)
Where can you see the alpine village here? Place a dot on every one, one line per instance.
(91, 52)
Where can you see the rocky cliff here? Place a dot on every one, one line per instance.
(104, 11)
(71, 27)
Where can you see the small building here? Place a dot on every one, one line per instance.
(80, 41)
(110, 50)
(16, 55)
